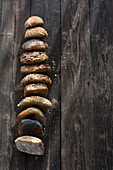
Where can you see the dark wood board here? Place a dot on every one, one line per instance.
(78, 134)
(87, 85)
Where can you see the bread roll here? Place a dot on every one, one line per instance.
(30, 145)
(36, 78)
(31, 128)
(33, 57)
(33, 21)
(32, 113)
(34, 44)
(36, 89)
(42, 68)
(41, 102)
(37, 32)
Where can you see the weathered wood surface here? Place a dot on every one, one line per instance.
(87, 85)
(79, 134)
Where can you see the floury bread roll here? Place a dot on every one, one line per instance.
(34, 44)
(41, 102)
(42, 68)
(34, 21)
(32, 113)
(30, 145)
(37, 32)
(33, 57)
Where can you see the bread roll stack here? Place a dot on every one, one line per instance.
(35, 104)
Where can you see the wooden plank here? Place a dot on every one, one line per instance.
(102, 69)
(86, 85)
(50, 12)
(12, 17)
(22, 11)
(6, 58)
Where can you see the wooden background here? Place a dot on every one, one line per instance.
(78, 133)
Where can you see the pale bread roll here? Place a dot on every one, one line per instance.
(30, 145)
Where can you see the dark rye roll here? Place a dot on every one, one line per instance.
(34, 21)
(36, 89)
(42, 68)
(32, 113)
(33, 57)
(30, 128)
(37, 32)
(40, 102)
(30, 145)
(34, 44)
(36, 78)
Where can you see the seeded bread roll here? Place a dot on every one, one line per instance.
(32, 113)
(34, 44)
(34, 21)
(42, 68)
(30, 145)
(33, 57)
(31, 128)
(36, 89)
(37, 32)
(41, 102)
(36, 78)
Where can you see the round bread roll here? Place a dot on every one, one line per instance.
(36, 78)
(33, 57)
(33, 21)
(32, 113)
(36, 89)
(34, 44)
(30, 145)
(40, 102)
(31, 128)
(37, 32)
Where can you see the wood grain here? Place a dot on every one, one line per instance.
(78, 134)
(6, 81)
(86, 85)
(21, 13)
